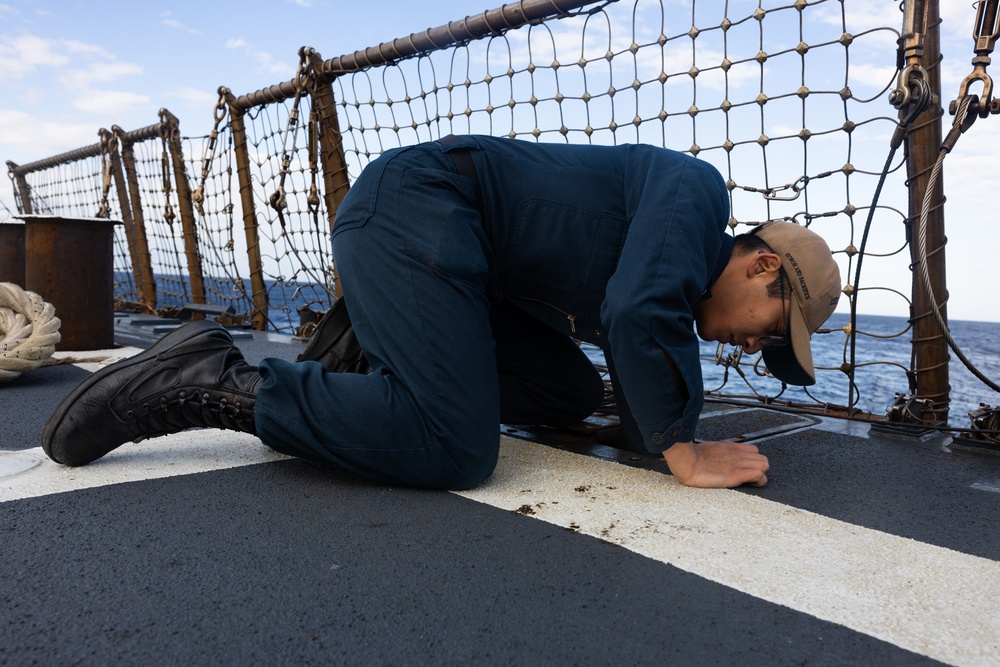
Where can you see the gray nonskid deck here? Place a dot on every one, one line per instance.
(290, 561)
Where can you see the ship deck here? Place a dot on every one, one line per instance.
(206, 547)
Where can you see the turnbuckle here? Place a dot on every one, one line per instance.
(985, 34)
(912, 93)
(968, 106)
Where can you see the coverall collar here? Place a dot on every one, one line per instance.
(725, 252)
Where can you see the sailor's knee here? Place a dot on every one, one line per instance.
(471, 465)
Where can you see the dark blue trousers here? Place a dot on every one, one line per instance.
(452, 358)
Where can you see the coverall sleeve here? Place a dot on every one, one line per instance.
(679, 208)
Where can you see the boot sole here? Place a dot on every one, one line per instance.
(172, 339)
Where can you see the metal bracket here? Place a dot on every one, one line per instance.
(984, 435)
(186, 313)
(906, 420)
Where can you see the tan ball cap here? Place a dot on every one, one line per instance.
(815, 279)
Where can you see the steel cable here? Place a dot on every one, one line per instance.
(925, 273)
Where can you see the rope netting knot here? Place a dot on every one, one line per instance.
(29, 331)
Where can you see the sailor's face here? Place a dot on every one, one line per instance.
(740, 311)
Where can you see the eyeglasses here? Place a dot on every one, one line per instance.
(772, 342)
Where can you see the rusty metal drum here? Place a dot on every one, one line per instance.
(69, 262)
(12, 253)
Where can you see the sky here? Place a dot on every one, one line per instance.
(67, 69)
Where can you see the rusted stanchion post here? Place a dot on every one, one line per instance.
(142, 260)
(242, 158)
(335, 180)
(21, 187)
(131, 212)
(930, 349)
(172, 135)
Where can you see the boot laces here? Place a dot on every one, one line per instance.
(198, 408)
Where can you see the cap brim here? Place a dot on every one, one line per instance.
(793, 363)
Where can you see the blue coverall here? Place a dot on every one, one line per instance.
(609, 245)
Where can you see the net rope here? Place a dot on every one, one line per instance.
(765, 92)
(780, 97)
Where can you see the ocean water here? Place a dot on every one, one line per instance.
(885, 339)
(882, 354)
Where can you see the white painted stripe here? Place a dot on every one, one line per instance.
(927, 599)
(29, 473)
(986, 486)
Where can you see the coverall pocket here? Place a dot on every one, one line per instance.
(359, 205)
(442, 228)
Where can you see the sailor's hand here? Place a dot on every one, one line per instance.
(717, 464)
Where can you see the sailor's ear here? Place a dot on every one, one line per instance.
(762, 262)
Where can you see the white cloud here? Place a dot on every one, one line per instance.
(99, 72)
(167, 20)
(30, 96)
(874, 14)
(65, 71)
(111, 103)
(301, 3)
(958, 19)
(29, 55)
(194, 97)
(7, 11)
(22, 55)
(265, 61)
(77, 47)
(42, 137)
(871, 75)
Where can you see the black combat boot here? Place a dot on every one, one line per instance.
(334, 344)
(192, 377)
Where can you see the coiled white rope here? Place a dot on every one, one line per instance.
(29, 331)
